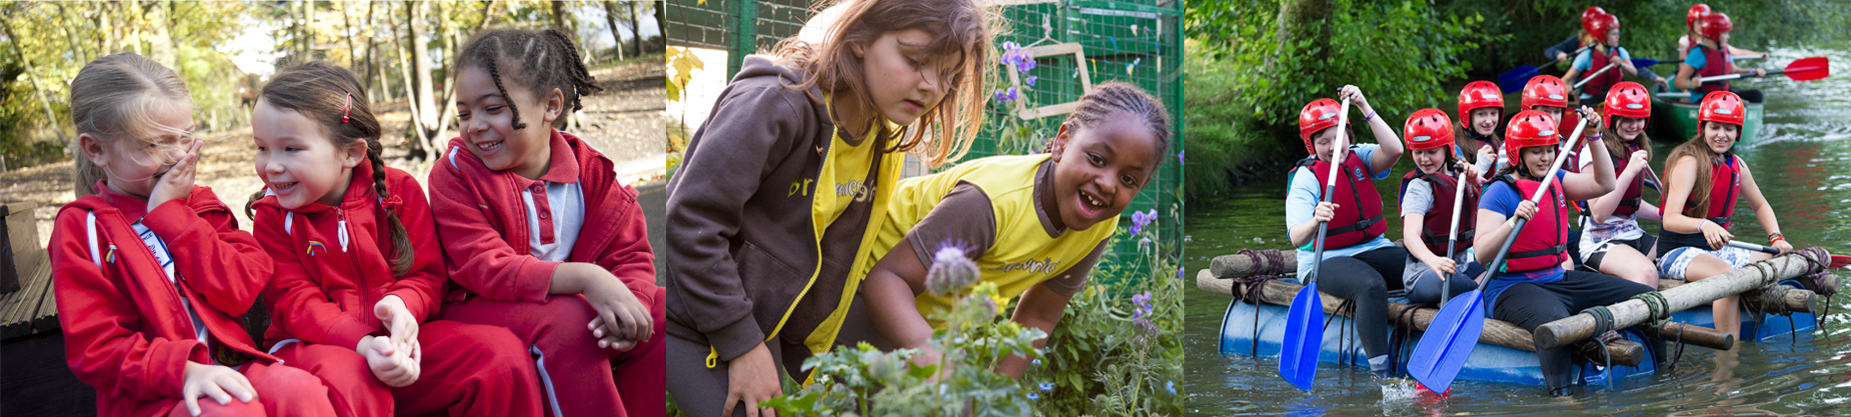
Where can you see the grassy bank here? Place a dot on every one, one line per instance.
(1225, 141)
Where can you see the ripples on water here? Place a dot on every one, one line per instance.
(1802, 163)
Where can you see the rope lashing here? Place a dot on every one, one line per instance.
(1603, 318)
(1656, 303)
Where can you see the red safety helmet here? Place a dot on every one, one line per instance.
(1427, 129)
(1529, 128)
(1477, 95)
(1545, 90)
(1696, 12)
(1628, 99)
(1599, 25)
(1591, 13)
(1713, 25)
(1722, 107)
(1320, 114)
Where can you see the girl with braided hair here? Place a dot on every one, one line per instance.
(1037, 223)
(543, 238)
(354, 296)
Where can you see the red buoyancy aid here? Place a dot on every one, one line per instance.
(1359, 206)
(1436, 224)
(1725, 190)
(1714, 64)
(1543, 242)
(1629, 202)
(1598, 86)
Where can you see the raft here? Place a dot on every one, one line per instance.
(1497, 358)
(1677, 118)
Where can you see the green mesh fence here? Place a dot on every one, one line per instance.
(1138, 42)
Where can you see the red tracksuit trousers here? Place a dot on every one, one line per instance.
(281, 391)
(467, 370)
(570, 359)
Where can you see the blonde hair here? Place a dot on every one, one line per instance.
(963, 29)
(114, 97)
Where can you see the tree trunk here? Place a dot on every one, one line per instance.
(610, 18)
(71, 36)
(661, 9)
(51, 118)
(1300, 19)
(561, 19)
(405, 81)
(636, 29)
(426, 111)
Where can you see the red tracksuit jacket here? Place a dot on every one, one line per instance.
(485, 224)
(332, 262)
(126, 332)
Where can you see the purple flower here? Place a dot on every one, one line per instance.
(1008, 95)
(1031, 80)
(1143, 305)
(1024, 63)
(1179, 154)
(1179, 272)
(1047, 386)
(1033, 396)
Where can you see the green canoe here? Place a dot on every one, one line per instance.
(1676, 119)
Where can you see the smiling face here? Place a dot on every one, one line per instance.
(1430, 160)
(298, 161)
(1538, 159)
(1485, 120)
(487, 127)
(1629, 128)
(132, 165)
(1099, 169)
(903, 76)
(1324, 139)
(1720, 136)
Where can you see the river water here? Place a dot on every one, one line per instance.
(1802, 162)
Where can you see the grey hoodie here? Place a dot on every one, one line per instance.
(741, 244)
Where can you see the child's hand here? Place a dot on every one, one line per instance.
(1715, 234)
(623, 315)
(1591, 118)
(1526, 209)
(1638, 160)
(177, 182)
(400, 326)
(389, 363)
(219, 382)
(1354, 94)
(1325, 212)
(1440, 265)
(608, 340)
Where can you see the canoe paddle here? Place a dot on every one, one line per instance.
(1838, 261)
(1304, 330)
(1805, 69)
(1454, 332)
(1536, 198)
(1513, 80)
(1590, 77)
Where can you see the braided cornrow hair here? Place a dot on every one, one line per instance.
(533, 57)
(1108, 99)
(334, 98)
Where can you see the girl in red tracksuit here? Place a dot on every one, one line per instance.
(151, 271)
(542, 236)
(353, 294)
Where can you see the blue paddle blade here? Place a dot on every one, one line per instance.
(1644, 62)
(1512, 81)
(1448, 342)
(1304, 334)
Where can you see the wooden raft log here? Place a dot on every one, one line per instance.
(1774, 299)
(1632, 312)
(1496, 332)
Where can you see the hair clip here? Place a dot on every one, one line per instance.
(391, 204)
(346, 107)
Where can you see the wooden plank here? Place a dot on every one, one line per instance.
(21, 307)
(45, 318)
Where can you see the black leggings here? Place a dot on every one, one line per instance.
(1365, 280)
(1529, 305)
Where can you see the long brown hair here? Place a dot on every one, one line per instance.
(1706, 166)
(327, 94)
(1616, 145)
(111, 98)
(963, 29)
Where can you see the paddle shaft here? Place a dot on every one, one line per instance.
(1590, 77)
(1753, 247)
(1452, 237)
(1740, 75)
(1337, 152)
(1536, 198)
